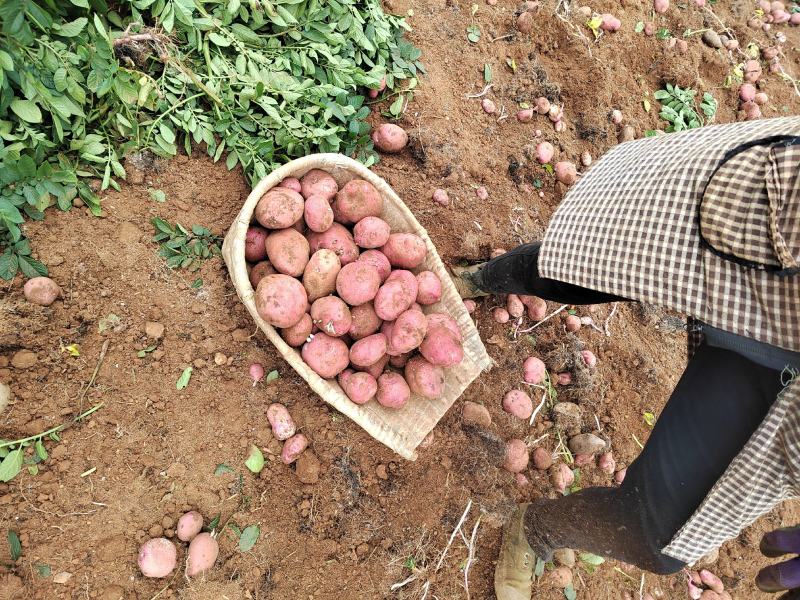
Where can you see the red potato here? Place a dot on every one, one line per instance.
(357, 283)
(400, 361)
(583, 460)
(514, 306)
(482, 193)
(279, 208)
(500, 314)
(369, 350)
(293, 183)
(254, 244)
(331, 315)
(41, 290)
(297, 334)
(619, 476)
(293, 448)
(544, 152)
(752, 71)
(157, 557)
(616, 116)
(364, 321)
(606, 463)
(542, 459)
(338, 239)
(488, 106)
(407, 332)
(747, 92)
(281, 421)
(589, 358)
(393, 391)
(376, 369)
(542, 105)
(318, 183)
(537, 308)
(440, 196)
(424, 379)
(751, 110)
(516, 457)
(429, 288)
(396, 295)
(794, 19)
(518, 404)
(318, 214)
(359, 387)
(610, 22)
(261, 270)
(446, 320)
(562, 477)
(661, 6)
(288, 252)
(404, 250)
(356, 200)
(371, 232)
(281, 300)
(761, 98)
(525, 115)
(256, 372)
(533, 370)
(189, 525)
(319, 277)
(470, 305)
(566, 172)
(572, 323)
(377, 259)
(441, 347)
(327, 356)
(525, 22)
(390, 138)
(203, 552)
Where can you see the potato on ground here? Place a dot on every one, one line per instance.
(519, 404)
(424, 379)
(404, 250)
(396, 295)
(254, 244)
(369, 350)
(516, 458)
(360, 387)
(429, 288)
(338, 239)
(281, 300)
(189, 525)
(41, 290)
(279, 208)
(293, 448)
(534, 370)
(203, 552)
(357, 283)
(389, 138)
(441, 347)
(356, 200)
(331, 315)
(327, 356)
(318, 214)
(297, 334)
(364, 321)
(288, 251)
(407, 332)
(281, 421)
(371, 232)
(393, 391)
(260, 270)
(377, 259)
(157, 557)
(319, 276)
(318, 183)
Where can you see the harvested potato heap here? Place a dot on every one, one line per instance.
(340, 285)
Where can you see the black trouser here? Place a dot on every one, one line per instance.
(719, 402)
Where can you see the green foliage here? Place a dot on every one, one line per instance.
(84, 83)
(14, 545)
(183, 380)
(184, 248)
(249, 537)
(255, 460)
(679, 108)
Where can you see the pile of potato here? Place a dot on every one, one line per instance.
(158, 557)
(340, 285)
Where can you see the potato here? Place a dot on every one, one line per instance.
(297, 334)
(260, 270)
(377, 259)
(606, 463)
(375, 369)
(338, 239)
(189, 525)
(516, 457)
(318, 183)
(404, 250)
(357, 283)
(157, 557)
(533, 370)
(537, 308)
(279, 208)
(470, 305)
(542, 459)
(288, 251)
(327, 356)
(293, 447)
(393, 391)
(293, 183)
(407, 332)
(429, 288)
(371, 232)
(203, 552)
(281, 421)
(331, 315)
(254, 244)
(441, 347)
(319, 277)
(572, 323)
(356, 200)
(561, 476)
(589, 359)
(395, 296)
(424, 379)
(256, 372)
(390, 138)
(318, 214)
(281, 300)
(369, 350)
(360, 387)
(566, 172)
(400, 361)
(500, 314)
(610, 22)
(544, 152)
(619, 476)
(364, 321)
(446, 320)
(518, 404)
(514, 306)
(661, 6)
(41, 290)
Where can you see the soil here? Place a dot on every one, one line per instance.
(359, 524)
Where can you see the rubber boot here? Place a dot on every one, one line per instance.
(513, 576)
(464, 280)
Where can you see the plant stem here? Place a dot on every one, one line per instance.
(56, 429)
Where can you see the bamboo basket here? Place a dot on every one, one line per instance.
(403, 429)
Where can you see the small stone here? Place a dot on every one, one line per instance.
(5, 396)
(380, 472)
(564, 557)
(560, 577)
(586, 158)
(24, 359)
(710, 558)
(113, 592)
(220, 359)
(711, 38)
(62, 577)
(628, 134)
(155, 531)
(475, 415)
(308, 467)
(154, 330)
(362, 550)
(240, 335)
(586, 443)
(55, 261)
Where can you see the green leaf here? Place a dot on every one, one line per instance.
(639, 27)
(487, 73)
(539, 569)
(650, 419)
(14, 545)
(43, 570)
(73, 28)
(255, 460)
(222, 468)
(41, 451)
(81, 3)
(397, 106)
(145, 351)
(213, 524)
(591, 559)
(11, 465)
(249, 537)
(158, 195)
(272, 376)
(6, 62)
(183, 380)
(26, 110)
(569, 592)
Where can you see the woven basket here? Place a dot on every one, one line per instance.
(400, 429)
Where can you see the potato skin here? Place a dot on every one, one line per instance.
(518, 404)
(189, 525)
(279, 208)
(318, 183)
(360, 387)
(395, 296)
(331, 315)
(404, 250)
(297, 334)
(429, 288)
(327, 356)
(376, 369)
(157, 557)
(293, 448)
(446, 320)
(441, 347)
(424, 379)
(319, 276)
(377, 259)
(534, 370)
(293, 183)
(369, 350)
(408, 331)
(371, 232)
(357, 283)
(261, 270)
(318, 214)
(281, 421)
(203, 552)
(516, 458)
(393, 391)
(254, 244)
(356, 200)
(338, 239)
(41, 290)
(281, 300)
(364, 321)
(288, 252)
(390, 138)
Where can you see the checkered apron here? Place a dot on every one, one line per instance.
(705, 222)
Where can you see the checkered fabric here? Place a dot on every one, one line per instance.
(705, 222)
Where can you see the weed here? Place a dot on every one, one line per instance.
(183, 248)
(679, 108)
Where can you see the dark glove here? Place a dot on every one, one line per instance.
(784, 575)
